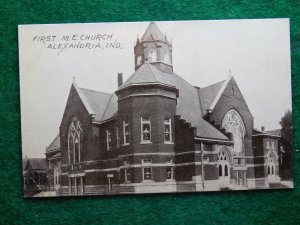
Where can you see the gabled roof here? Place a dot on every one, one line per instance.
(217, 90)
(274, 132)
(188, 102)
(270, 133)
(55, 144)
(37, 163)
(24, 162)
(189, 108)
(56, 156)
(153, 33)
(100, 104)
(208, 95)
(98, 101)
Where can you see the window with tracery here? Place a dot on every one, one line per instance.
(223, 167)
(75, 140)
(233, 123)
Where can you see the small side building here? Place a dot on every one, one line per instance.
(53, 162)
(266, 146)
(35, 178)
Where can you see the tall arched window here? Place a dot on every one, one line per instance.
(223, 162)
(56, 176)
(233, 123)
(167, 58)
(75, 138)
(152, 55)
(139, 60)
(271, 166)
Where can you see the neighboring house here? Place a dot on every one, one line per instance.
(266, 145)
(284, 156)
(53, 161)
(159, 133)
(34, 174)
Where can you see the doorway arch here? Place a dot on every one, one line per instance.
(224, 167)
(271, 166)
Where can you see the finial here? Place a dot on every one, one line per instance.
(74, 79)
(230, 74)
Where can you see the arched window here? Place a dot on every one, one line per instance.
(233, 123)
(220, 171)
(226, 170)
(223, 162)
(139, 60)
(271, 166)
(152, 55)
(75, 138)
(167, 58)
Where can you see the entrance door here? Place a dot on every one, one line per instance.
(224, 169)
(76, 186)
(56, 177)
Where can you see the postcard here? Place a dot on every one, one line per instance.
(155, 107)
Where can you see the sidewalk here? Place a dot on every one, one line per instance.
(46, 194)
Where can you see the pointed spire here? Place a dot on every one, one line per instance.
(153, 32)
(230, 73)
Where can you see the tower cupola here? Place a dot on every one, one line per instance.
(154, 48)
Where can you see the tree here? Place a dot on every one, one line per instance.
(286, 165)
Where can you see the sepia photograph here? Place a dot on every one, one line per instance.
(155, 107)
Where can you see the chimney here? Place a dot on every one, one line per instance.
(120, 79)
(262, 128)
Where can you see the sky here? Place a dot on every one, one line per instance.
(257, 52)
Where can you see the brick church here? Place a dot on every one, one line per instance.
(159, 133)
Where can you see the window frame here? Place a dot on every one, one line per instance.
(151, 173)
(117, 137)
(108, 140)
(126, 124)
(172, 172)
(73, 133)
(147, 165)
(146, 122)
(169, 122)
(268, 144)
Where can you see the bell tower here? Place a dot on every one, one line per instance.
(154, 48)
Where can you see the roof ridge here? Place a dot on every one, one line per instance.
(153, 29)
(155, 78)
(222, 81)
(83, 99)
(102, 92)
(220, 92)
(106, 106)
(200, 99)
(57, 136)
(53, 141)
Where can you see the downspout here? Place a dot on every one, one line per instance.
(202, 166)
